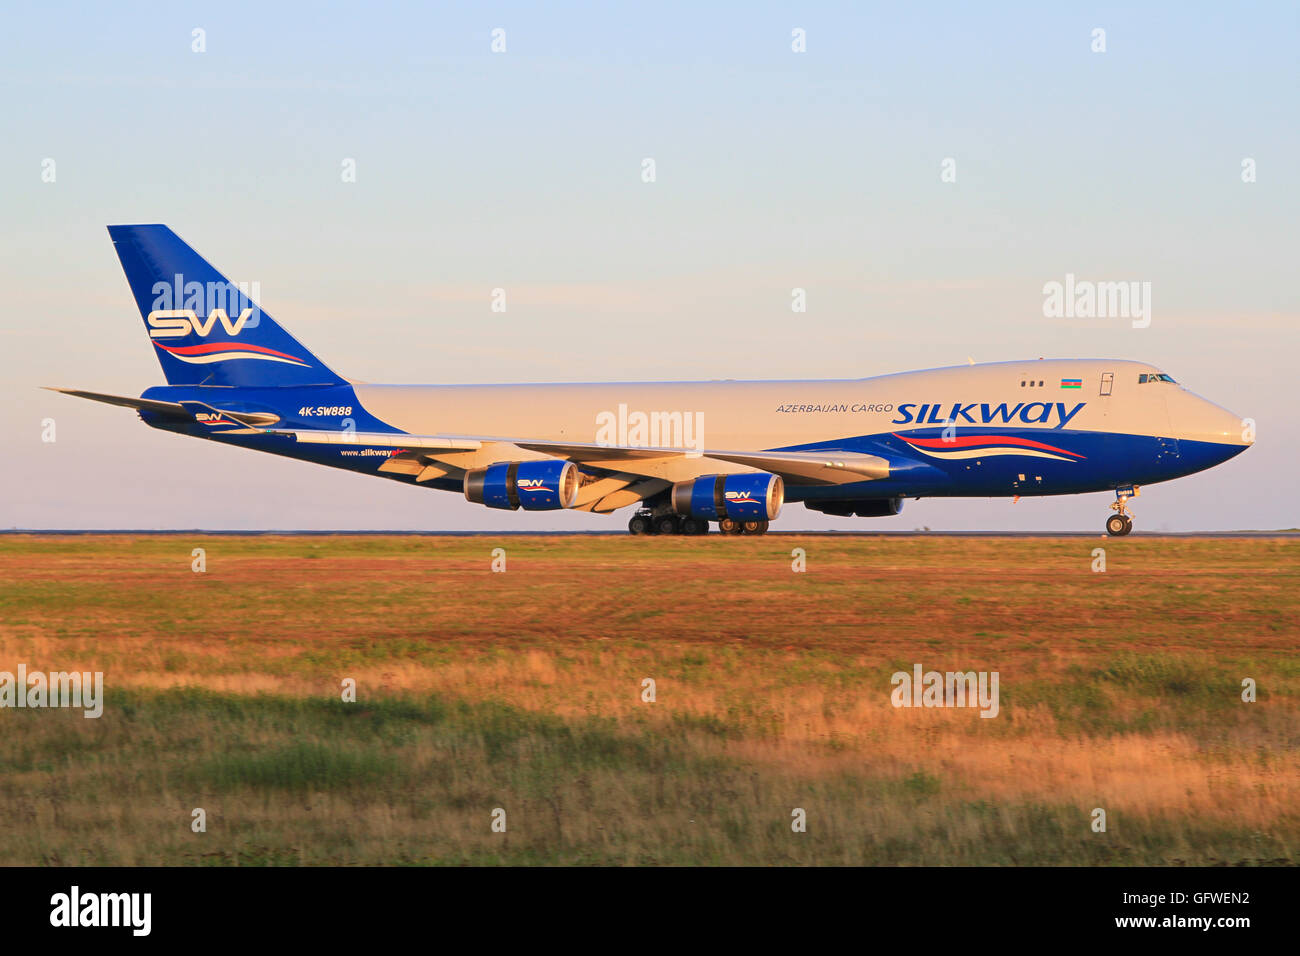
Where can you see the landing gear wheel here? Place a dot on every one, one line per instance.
(755, 527)
(729, 526)
(639, 524)
(1121, 522)
(692, 525)
(668, 524)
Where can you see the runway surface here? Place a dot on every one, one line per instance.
(623, 534)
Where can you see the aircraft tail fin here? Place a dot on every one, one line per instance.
(205, 329)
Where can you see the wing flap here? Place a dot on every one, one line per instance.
(381, 439)
(803, 468)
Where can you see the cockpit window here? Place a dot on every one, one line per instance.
(1146, 377)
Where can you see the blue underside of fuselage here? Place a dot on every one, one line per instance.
(1098, 461)
(1084, 461)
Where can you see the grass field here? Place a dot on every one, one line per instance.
(522, 690)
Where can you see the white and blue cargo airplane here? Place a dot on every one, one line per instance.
(684, 453)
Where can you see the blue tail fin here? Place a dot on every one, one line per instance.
(206, 330)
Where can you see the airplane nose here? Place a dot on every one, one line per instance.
(1214, 423)
(1222, 434)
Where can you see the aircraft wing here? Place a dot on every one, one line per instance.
(812, 468)
(665, 465)
(622, 475)
(615, 476)
(796, 467)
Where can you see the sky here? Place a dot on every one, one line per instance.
(523, 170)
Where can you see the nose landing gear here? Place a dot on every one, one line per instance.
(1118, 525)
(1121, 522)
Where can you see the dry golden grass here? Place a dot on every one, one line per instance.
(1118, 690)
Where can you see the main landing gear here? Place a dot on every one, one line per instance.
(640, 524)
(1121, 522)
(732, 526)
(647, 522)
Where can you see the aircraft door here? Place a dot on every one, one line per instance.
(1105, 391)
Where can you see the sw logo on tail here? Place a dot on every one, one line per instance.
(169, 323)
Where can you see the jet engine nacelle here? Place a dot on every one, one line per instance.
(749, 497)
(862, 507)
(531, 485)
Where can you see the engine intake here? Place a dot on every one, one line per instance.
(532, 485)
(749, 497)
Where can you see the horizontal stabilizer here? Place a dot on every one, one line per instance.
(186, 411)
(173, 409)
